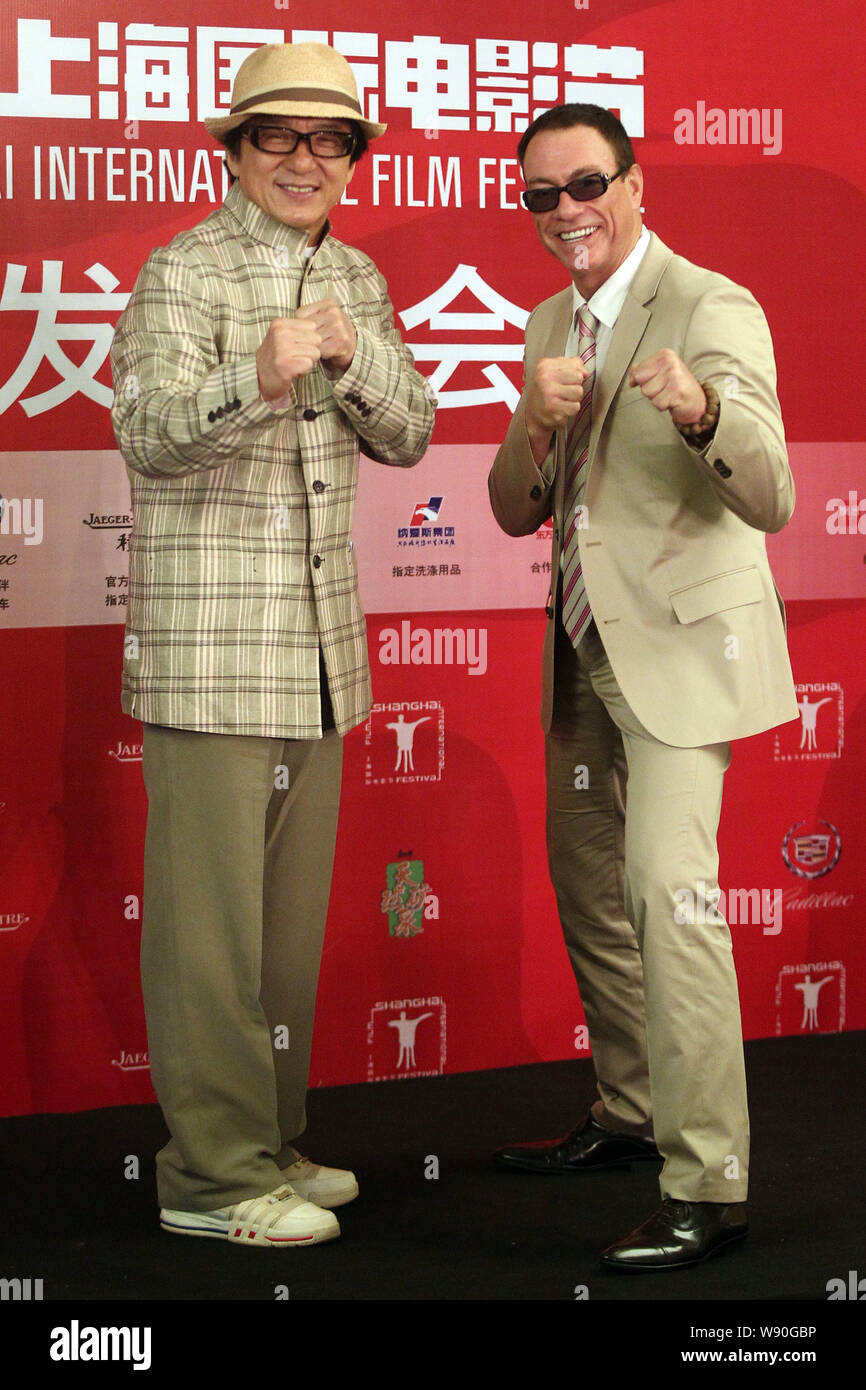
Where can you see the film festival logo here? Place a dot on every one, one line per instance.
(406, 1037)
(407, 898)
(820, 734)
(810, 998)
(404, 742)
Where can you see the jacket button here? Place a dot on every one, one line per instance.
(318, 485)
(722, 468)
(317, 560)
(536, 492)
(211, 416)
(310, 414)
(236, 403)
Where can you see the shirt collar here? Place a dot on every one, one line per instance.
(262, 227)
(609, 298)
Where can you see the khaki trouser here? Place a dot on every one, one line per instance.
(660, 994)
(236, 884)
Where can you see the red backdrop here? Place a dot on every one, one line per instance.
(747, 127)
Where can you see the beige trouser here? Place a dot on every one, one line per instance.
(236, 883)
(660, 994)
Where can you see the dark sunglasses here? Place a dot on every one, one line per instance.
(281, 139)
(582, 190)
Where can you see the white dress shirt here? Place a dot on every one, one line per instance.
(607, 302)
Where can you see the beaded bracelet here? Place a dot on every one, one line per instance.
(708, 421)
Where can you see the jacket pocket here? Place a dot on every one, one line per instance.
(722, 591)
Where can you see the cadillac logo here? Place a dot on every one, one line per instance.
(812, 856)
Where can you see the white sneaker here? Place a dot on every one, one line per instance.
(280, 1218)
(327, 1187)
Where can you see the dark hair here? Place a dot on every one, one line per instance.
(581, 113)
(232, 142)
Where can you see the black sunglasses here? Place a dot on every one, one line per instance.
(281, 139)
(582, 190)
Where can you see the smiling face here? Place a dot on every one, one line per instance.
(591, 239)
(297, 189)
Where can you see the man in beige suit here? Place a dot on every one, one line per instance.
(649, 429)
(256, 358)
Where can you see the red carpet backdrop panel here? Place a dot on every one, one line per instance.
(443, 952)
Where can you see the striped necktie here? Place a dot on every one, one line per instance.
(576, 614)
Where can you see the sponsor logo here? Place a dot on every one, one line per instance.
(126, 752)
(425, 513)
(407, 898)
(404, 742)
(131, 1061)
(811, 998)
(107, 523)
(812, 856)
(846, 518)
(423, 530)
(406, 1037)
(438, 646)
(11, 921)
(801, 899)
(820, 735)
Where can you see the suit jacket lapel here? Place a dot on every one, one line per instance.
(628, 331)
(553, 345)
(556, 331)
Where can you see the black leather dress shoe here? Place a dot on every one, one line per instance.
(587, 1147)
(679, 1234)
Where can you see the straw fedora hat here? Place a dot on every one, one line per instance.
(293, 79)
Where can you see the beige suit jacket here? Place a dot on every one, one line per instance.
(673, 549)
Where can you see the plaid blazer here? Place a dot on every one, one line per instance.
(241, 557)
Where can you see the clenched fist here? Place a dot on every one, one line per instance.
(667, 382)
(291, 348)
(554, 398)
(337, 333)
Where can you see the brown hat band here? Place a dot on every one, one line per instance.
(297, 93)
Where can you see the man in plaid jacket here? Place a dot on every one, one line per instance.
(256, 358)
